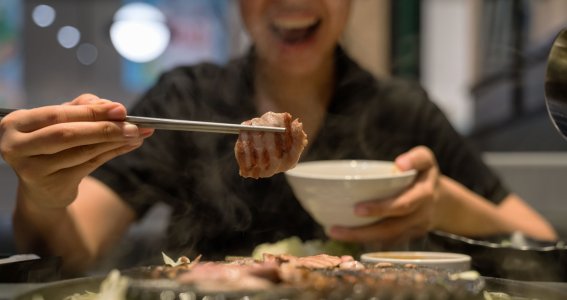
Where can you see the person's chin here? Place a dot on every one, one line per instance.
(296, 62)
(299, 57)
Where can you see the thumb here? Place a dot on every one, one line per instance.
(419, 158)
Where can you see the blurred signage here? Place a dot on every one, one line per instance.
(11, 67)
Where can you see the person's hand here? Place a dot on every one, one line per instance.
(52, 148)
(405, 216)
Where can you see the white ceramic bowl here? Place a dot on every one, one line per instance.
(329, 189)
(452, 262)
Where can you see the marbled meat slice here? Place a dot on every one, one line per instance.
(263, 154)
(319, 261)
(214, 277)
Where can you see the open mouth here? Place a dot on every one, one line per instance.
(296, 30)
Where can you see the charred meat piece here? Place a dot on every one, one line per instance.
(320, 261)
(212, 277)
(320, 277)
(263, 154)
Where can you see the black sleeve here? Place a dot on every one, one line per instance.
(387, 117)
(456, 156)
(154, 171)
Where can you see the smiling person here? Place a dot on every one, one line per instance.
(81, 184)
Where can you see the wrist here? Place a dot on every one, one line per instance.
(447, 210)
(34, 198)
(32, 223)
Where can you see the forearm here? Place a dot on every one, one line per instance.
(79, 232)
(463, 212)
(49, 231)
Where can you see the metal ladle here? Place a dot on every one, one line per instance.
(556, 83)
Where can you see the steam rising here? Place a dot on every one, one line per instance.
(217, 213)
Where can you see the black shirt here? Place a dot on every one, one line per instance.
(215, 211)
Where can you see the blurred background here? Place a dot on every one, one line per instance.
(482, 61)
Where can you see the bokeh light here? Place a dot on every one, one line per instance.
(68, 36)
(43, 15)
(139, 32)
(87, 54)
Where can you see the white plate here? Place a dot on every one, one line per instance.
(453, 262)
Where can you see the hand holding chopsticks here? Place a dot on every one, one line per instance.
(185, 125)
(53, 148)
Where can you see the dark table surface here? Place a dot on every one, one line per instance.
(11, 290)
(559, 289)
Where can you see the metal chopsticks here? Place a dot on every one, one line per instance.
(184, 125)
(171, 124)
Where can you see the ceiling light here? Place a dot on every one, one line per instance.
(139, 32)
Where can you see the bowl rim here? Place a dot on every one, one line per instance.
(430, 257)
(296, 174)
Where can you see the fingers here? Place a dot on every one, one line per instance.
(61, 186)
(34, 119)
(386, 230)
(85, 99)
(419, 158)
(45, 165)
(408, 214)
(422, 192)
(84, 169)
(403, 205)
(63, 136)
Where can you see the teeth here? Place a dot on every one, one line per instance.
(295, 23)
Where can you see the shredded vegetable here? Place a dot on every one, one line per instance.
(294, 246)
(113, 287)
